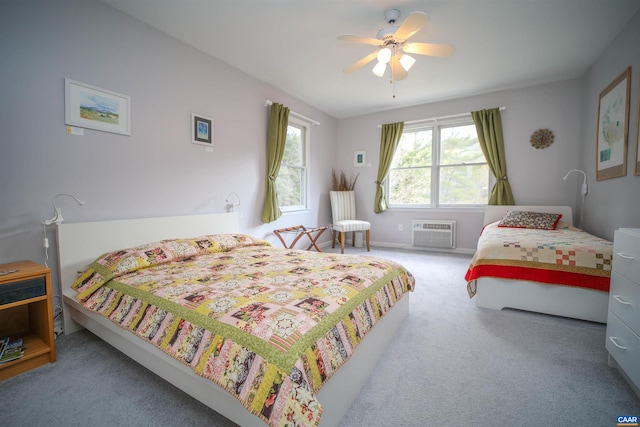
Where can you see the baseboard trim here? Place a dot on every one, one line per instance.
(461, 251)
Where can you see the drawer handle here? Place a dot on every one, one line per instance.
(627, 257)
(620, 300)
(613, 340)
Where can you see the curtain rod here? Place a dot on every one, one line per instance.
(435, 119)
(268, 102)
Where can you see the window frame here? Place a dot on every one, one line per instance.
(306, 126)
(435, 126)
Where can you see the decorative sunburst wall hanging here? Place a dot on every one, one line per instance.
(542, 138)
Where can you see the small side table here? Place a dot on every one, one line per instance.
(300, 230)
(26, 312)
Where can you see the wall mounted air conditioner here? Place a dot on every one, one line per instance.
(434, 234)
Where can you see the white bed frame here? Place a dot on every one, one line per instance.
(80, 243)
(566, 301)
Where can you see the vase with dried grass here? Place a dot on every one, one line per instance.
(341, 182)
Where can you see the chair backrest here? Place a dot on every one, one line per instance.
(343, 205)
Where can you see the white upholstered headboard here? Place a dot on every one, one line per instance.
(494, 213)
(81, 243)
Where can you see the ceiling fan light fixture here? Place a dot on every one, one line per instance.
(407, 61)
(379, 69)
(392, 46)
(384, 55)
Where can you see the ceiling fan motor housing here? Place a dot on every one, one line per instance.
(387, 33)
(391, 16)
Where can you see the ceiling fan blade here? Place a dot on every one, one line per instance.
(364, 61)
(431, 49)
(359, 39)
(414, 22)
(397, 70)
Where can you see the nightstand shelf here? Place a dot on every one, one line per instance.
(30, 318)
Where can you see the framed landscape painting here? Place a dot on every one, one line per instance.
(613, 128)
(91, 107)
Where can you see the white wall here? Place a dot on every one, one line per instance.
(535, 175)
(615, 202)
(157, 171)
(154, 172)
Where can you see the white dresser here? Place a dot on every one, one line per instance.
(623, 323)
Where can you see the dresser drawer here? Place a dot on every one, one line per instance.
(626, 254)
(22, 290)
(624, 301)
(624, 347)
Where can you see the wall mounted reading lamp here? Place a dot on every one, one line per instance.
(583, 191)
(57, 217)
(232, 204)
(584, 183)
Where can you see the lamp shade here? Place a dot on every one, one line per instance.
(407, 61)
(384, 55)
(379, 69)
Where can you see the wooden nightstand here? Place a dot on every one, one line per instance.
(26, 312)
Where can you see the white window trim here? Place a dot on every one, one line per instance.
(307, 144)
(434, 125)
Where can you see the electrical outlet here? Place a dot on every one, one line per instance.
(400, 227)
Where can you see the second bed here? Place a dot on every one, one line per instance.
(562, 271)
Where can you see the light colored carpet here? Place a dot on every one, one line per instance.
(451, 364)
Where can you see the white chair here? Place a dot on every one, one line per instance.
(343, 209)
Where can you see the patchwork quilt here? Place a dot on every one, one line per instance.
(565, 256)
(269, 325)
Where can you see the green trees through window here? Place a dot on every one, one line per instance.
(291, 183)
(439, 165)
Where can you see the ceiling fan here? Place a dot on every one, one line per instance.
(393, 45)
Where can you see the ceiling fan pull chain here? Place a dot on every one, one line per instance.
(392, 70)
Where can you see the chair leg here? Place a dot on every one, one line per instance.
(353, 239)
(367, 234)
(333, 240)
(342, 242)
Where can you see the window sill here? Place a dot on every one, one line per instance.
(295, 211)
(470, 209)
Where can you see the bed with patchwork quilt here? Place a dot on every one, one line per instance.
(553, 268)
(269, 325)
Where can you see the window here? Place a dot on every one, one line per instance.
(439, 165)
(293, 179)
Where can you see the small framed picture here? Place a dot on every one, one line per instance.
(201, 130)
(359, 158)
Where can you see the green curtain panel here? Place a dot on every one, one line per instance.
(489, 127)
(276, 140)
(389, 139)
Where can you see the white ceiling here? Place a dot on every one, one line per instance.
(292, 45)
